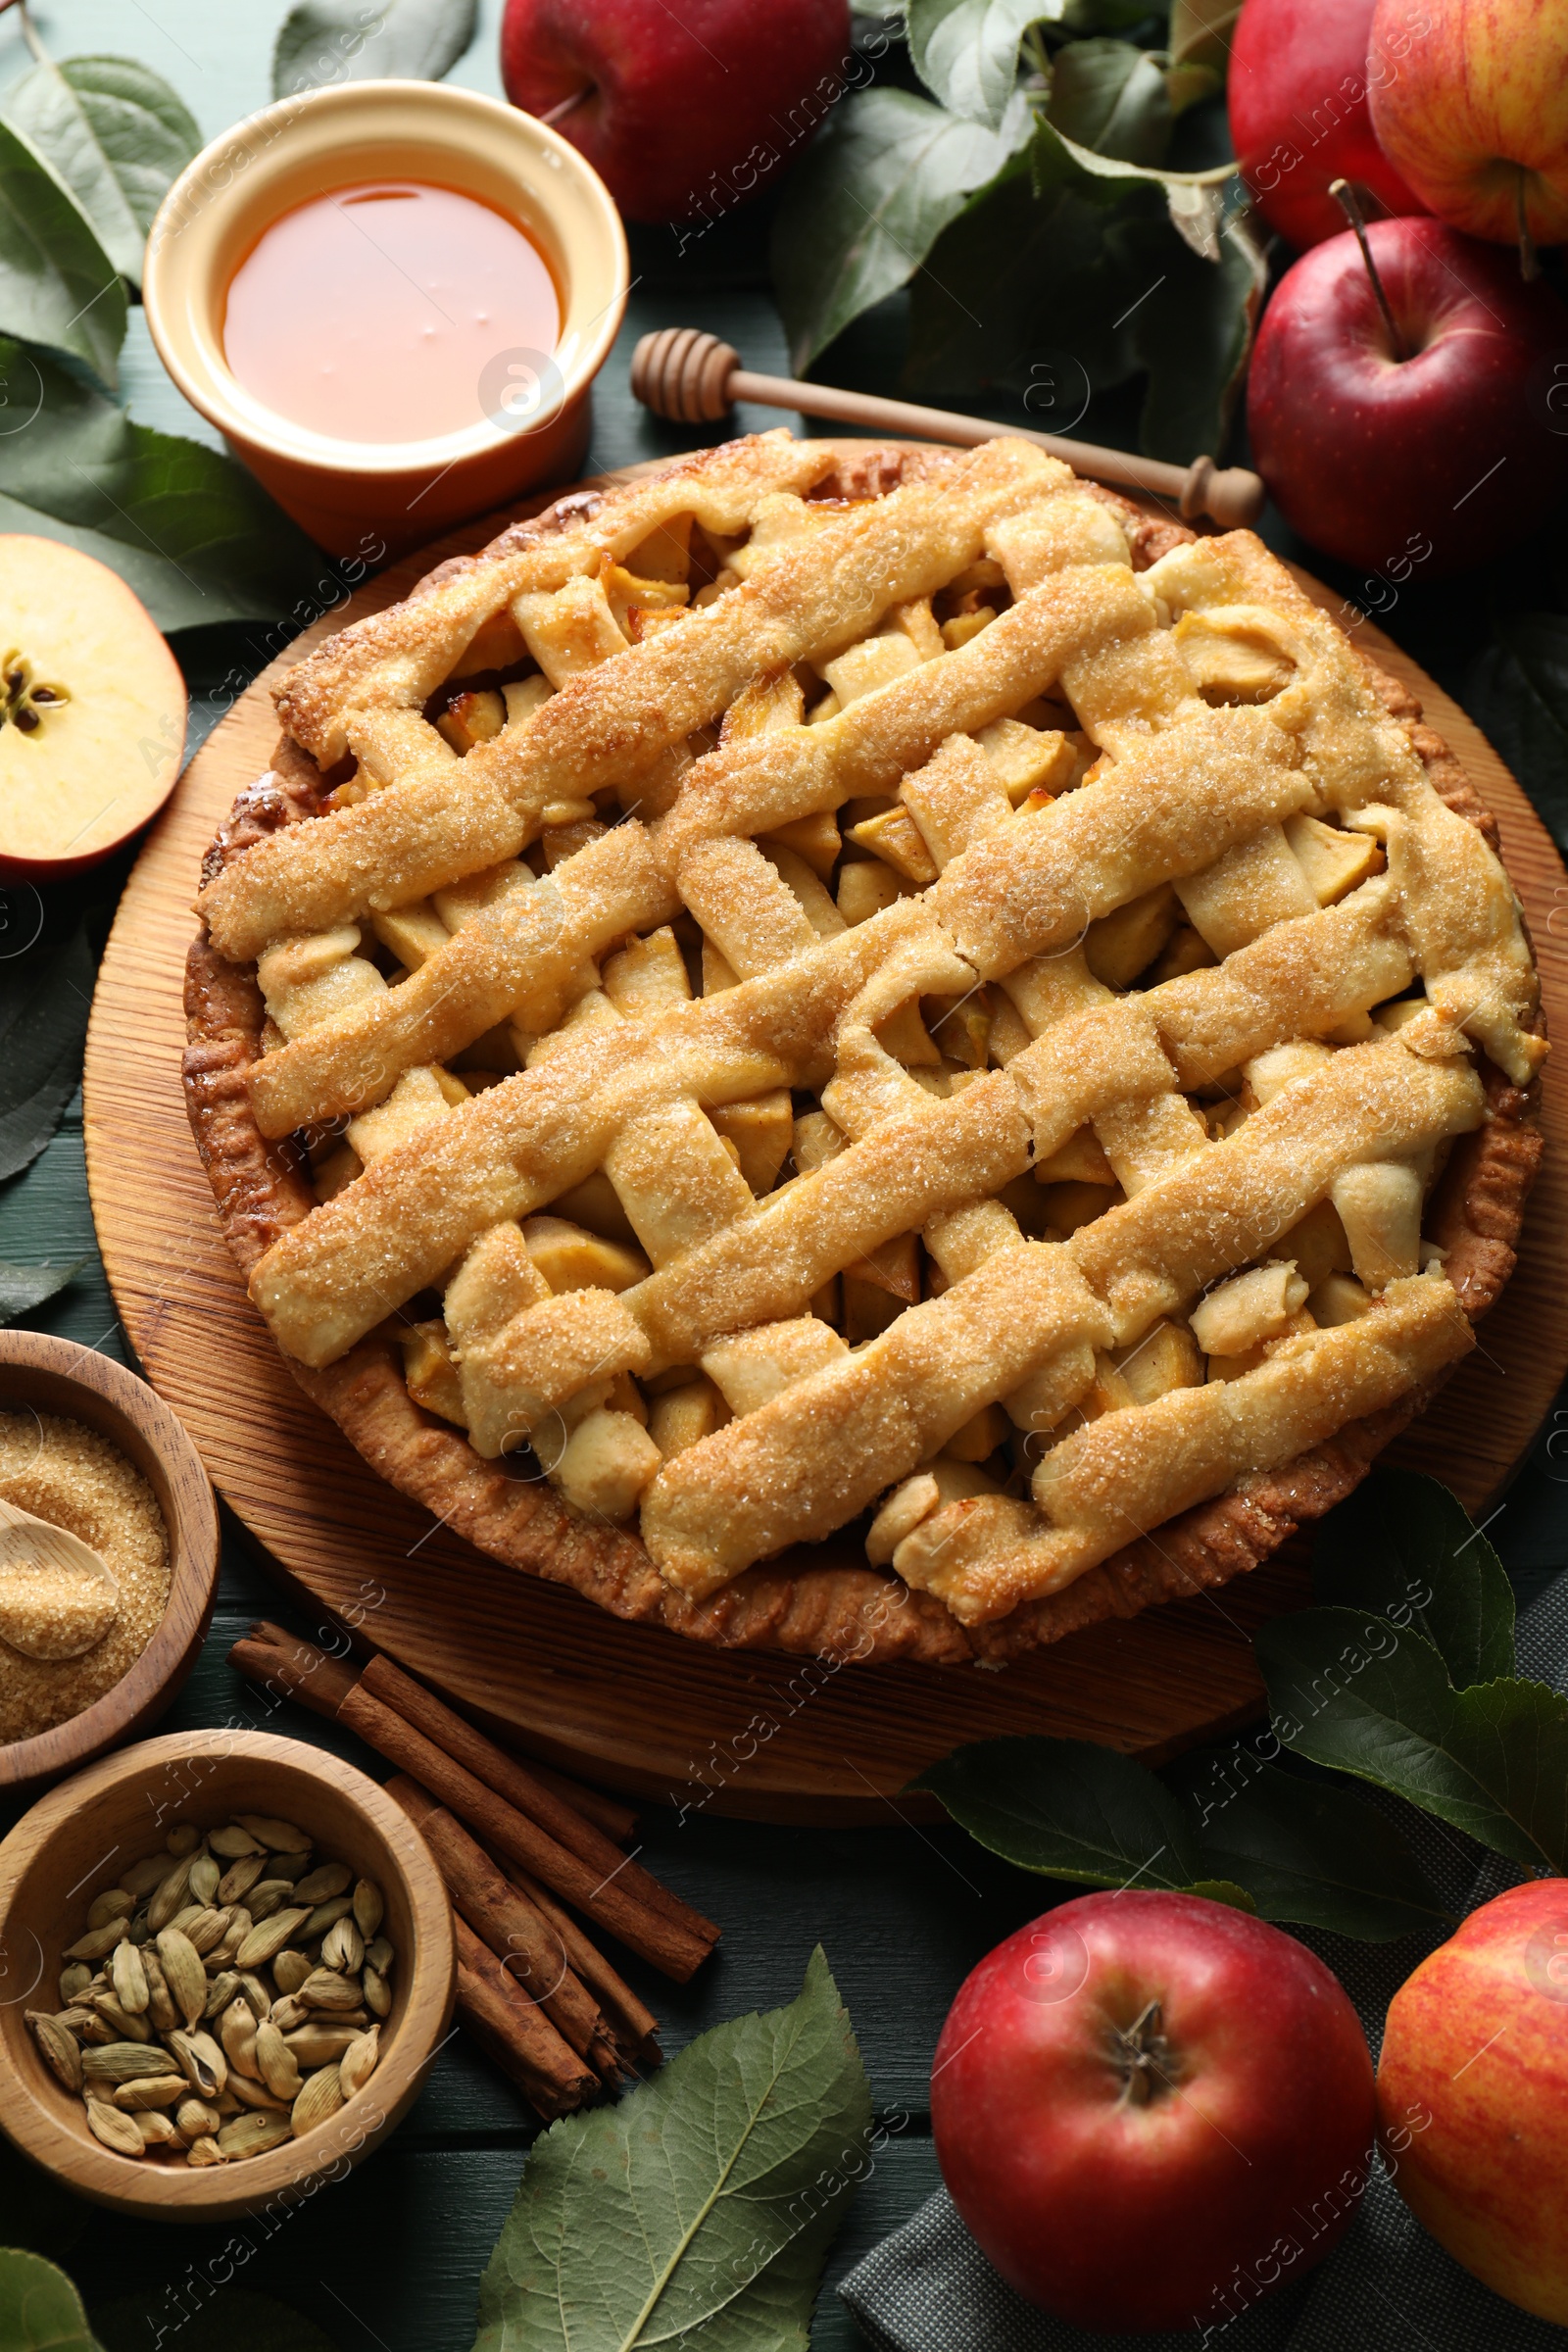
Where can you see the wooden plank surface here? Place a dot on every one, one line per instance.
(769, 1737)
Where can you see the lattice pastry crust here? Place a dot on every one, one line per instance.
(869, 1053)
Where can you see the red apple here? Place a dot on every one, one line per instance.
(1473, 2095)
(1150, 2109)
(690, 105)
(1297, 92)
(1417, 464)
(1470, 102)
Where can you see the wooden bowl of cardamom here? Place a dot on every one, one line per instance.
(225, 1961)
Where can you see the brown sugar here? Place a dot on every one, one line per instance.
(67, 1473)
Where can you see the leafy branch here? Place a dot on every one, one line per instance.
(88, 148)
(1034, 186)
(1406, 1679)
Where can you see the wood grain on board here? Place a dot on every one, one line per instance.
(747, 1733)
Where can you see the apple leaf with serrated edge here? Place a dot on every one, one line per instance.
(1312, 1853)
(22, 1288)
(1111, 97)
(40, 2310)
(117, 136)
(702, 2205)
(1067, 1809)
(188, 529)
(324, 41)
(1402, 1544)
(57, 284)
(865, 205)
(1352, 1692)
(966, 51)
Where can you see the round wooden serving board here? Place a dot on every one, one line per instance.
(749, 1733)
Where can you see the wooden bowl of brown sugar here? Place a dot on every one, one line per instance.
(78, 1426)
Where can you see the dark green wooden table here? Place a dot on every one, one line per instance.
(392, 2257)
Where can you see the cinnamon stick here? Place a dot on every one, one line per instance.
(295, 1667)
(528, 1945)
(520, 2037)
(522, 1787)
(617, 1821)
(635, 2025)
(656, 1937)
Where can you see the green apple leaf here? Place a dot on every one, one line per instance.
(1067, 1809)
(966, 51)
(865, 205)
(1108, 96)
(190, 530)
(1195, 331)
(1081, 272)
(1355, 1692)
(1311, 1852)
(698, 2209)
(22, 1288)
(324, 41)
(1517, 693)
(1404, 1545)
(58, 286)
(115, 133)
(45, 996)
(1027, 269)
(1201, 32)
(40, 2310)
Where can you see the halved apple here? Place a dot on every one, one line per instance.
(92, 712)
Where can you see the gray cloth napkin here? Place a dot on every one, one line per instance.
(1386, 2286)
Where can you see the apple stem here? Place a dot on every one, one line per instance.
(29, 31)
(1529, 260)
(559, 114)
(1349, 205)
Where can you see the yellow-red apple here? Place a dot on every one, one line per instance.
(1473, 2095)
(92, 711)
(1469, 100)
(1297, 92)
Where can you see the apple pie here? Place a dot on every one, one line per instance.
(863, 1049)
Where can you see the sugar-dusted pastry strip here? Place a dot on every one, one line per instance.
(808, 1461)
(513, 1149)
(1230, 1204)
(757, 784)
(1129, 1471)
(1460, 911)
(613, 722)
(515, 957)
(1170, 808)
(1300, 979)
(769, 1266)
(400, 657)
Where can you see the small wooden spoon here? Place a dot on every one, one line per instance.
(58, 1597)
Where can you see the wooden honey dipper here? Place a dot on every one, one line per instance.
(693, 378)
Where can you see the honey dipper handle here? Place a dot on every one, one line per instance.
(693, 378)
